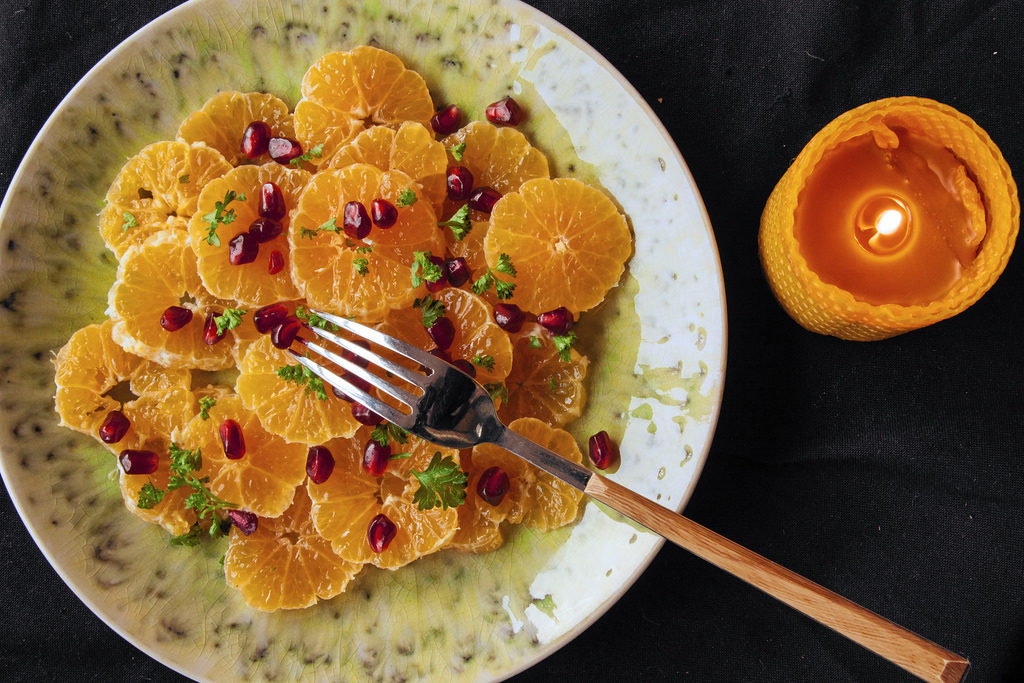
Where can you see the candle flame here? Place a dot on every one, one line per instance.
(889, 222)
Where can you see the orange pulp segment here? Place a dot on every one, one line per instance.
(541, 384)
(224, 117)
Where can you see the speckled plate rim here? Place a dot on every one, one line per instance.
(699, 458)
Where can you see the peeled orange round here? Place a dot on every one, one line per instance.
(225, 116)
(541, 384)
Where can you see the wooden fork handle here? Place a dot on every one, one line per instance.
(904, 648)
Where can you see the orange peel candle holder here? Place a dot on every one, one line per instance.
(896, 215)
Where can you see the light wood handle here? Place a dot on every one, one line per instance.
(904, 648)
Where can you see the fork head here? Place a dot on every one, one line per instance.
(446, 406)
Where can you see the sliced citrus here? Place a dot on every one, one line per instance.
(471, 248)
(264, 478)
(285, 563)
(364, 278)
(291, 410)
(152, 277)
(157, 189)
(411, 149)
(345, 504)
(541, 384)
(249, 283)
(567, 240)
(225, 116)
(477, 533)
(534, 497)
(344, 92)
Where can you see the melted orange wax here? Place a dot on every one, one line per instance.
(930, 202)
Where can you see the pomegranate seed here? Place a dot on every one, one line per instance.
(242, 249)
(442, 332)
(380, 533)
(283, 150)
(319, 464)
(364, 415)
(504, 112)
(492, 485)
(284, 334)
(442, 281)
(138, 462)
(356, 221)
(354, 380)
(383, 212)
(465, 366)
(460, 183)
(509, 317)
(375, 458)
(210, 334)
(358, 360)
(484, 199)
(264, 229)
(457, 271)
(247, 522)
(115, 426)
(269, 317)
(232, 440)
(558, 321)
(255, 139)
(442, 354)
(276, 262)
(175, 318)
(272, 202)
(602, 450)
(447, 119)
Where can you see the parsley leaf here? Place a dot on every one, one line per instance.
(361, 265)
(314, 320)
(424, 270)
(317, 151)
(432, 309)
(406, 198)
(205, 403)
(365, 249)
(189, 538)
(484, 361)
(330, 225)
(149, 496)
(457, 151)
(184, 465)
(502, 288)
(563, 344)
(534, 342)
(130, 222)
(497, 391)
(229, 319)
(552, 384)
(306, 233)
(221, 215)
(442, 484)
(459, 222)
(300, 374)
(385, 432)
(184, 178)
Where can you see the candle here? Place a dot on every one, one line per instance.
(896, 215)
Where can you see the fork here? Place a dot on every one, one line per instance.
(454, 411)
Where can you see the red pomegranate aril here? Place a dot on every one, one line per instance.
(509, 317)
(115, 425)
(247, 522)
(558, 321)
(243, 249)
(457, 271)
(283, 150)
(352, 357)
(232, 439)
(138, 462)
(442, 332)
(210, 334)
(255, 139)
(175, 317)
(493, 485)
(383, 213)
(264, 229)
(354, 380)
(483, 199)
(275, 264)
(364, 415)
(284, 334)
(460, 183)
(375, 458)
(442, 354)
(602, 450)
(356, 221)
(380, 533)
(319, 464)
(442, 281)
(447, 119)
(465, 366)
(272, 202)
(269, 317)
(504, 112)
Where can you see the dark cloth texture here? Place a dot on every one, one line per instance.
(891, 472)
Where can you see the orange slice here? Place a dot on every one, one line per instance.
(152, 277)
(534, 497)
(325, 264)
(541, 384)
(345, 504)
(287, 409)
(157, 189)
(477, 533)
(225, 116)
(263, 480)
(248, 283)
(568, 242)
(285, 564)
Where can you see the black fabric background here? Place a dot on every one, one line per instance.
(889, 471)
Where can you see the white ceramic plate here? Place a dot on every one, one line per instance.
(657, 346)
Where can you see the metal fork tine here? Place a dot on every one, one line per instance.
(382, 384)
(376, 405)
(395, 369)
(397, 345)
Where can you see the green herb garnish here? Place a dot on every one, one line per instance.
(502, 288)
(205, 403)
(406, 198)
(149, 496)
(317, 152)
(563, 344)
(459, 223)
(361, 265)
(432, 309)
(314, 320)
(221, 215)
(228, 320)
(424, 270)
(130, 222)
(484, 361)
(302, 375)
(534, 342)
(442, 484)
(497, 391)
(385, 432)
(457, 151)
